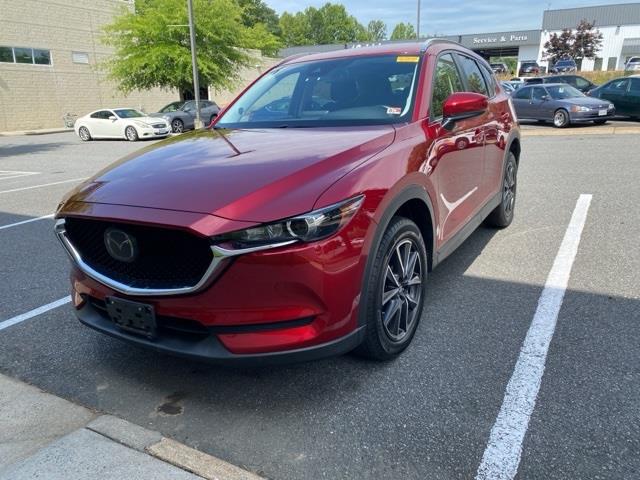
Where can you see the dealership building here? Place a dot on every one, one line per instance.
(619, 25)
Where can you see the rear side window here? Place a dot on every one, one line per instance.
(445, 82)
(102, 114)
(581, 83)
(471, 73)
(523, 93)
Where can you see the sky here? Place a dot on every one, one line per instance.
(453, 17)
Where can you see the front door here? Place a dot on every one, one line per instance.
(459, 152)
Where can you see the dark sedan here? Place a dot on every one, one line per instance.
(529, 68)
(564, 66)
(624, 93)
(561, 104)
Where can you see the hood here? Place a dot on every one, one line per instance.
(149, 119)
(588, 102)
(250, 175)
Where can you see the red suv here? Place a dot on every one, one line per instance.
(305, 222)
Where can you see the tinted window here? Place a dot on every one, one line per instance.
(617, 86)
(366, 90)
(539, 93)
(489, 79)
(102, 114)
(523, 93)
(582, 83)
(635, 85)
(446, 81)
(172, 107)
(471, 72)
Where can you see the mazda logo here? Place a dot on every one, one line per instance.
(120, 245)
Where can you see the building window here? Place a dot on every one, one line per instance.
(597, 65)
(80, 57)
(33, 56)
(6, 54)
(611, 64)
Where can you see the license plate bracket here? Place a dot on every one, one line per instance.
(134, 317)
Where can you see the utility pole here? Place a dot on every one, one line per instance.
(196, 83)
(418, 22)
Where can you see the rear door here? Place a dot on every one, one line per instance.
(633, 98)
(522, 102)
(615, 91)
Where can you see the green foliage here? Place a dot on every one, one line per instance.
(153, 50)
(256, 11)
(404, 31)
(376, 30)
(330, 23)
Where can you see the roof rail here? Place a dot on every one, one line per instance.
(432, 41)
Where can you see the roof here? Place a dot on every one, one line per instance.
(602, 15)
(404, 48)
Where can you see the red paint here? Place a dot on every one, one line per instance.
(212, 182)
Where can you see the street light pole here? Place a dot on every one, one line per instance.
(418, 22)
(196, 83)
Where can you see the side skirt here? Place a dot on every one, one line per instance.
(457, 240)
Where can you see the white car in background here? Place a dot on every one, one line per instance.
(127, 123)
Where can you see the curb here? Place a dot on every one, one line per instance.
(35, 132)
(167, 450)
(548, 132)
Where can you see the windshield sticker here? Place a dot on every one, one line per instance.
(407, 59)
(394, 110)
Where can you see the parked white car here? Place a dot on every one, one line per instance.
(127, 123)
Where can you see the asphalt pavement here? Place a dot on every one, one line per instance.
(426, 415)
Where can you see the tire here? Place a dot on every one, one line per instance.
(213, 117)
(599, 122)
(177, 125)
(394, 296)
(131, 134)
(84, 134)
(502, 215)
(561, 118)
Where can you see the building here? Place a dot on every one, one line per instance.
(49, 50)
(619, 25)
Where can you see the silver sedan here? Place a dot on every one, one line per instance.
(181, 115)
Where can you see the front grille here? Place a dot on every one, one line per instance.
(159, 125)
(166, 258)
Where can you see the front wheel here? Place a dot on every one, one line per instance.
(131, 134)
(393, 295)
(561, 118)
(502, 215)
(84, 134)
(177, 126)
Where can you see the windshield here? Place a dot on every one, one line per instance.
(564, 91)
(172, 107)
(128, 113)
(370, 90)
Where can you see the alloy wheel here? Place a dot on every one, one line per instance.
(131, 134)
(560, 119)
(401, 289)
(84, 134)
(177, 126)
(509, 188)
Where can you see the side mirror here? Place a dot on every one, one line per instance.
(113, 118)
(462, 105)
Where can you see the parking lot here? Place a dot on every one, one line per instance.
(427, 415)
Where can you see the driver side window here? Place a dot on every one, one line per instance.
(446, 81)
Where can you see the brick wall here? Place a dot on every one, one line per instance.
(37, 96)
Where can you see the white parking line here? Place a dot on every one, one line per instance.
(9, 174)
(43, 185)
(34, 313)
(2, 227)
(502, 455)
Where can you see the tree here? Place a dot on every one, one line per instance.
(404, 31)
(376, 30)
(152, 47)
(330, 23)
(586, 41)
(559, 46)
(256, 11)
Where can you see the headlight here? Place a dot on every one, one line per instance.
(611, 106)
(578, 108)
(309, 227)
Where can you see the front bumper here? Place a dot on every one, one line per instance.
(580, 117)
(210, 349)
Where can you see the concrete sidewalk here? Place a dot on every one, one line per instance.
(44, 436)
